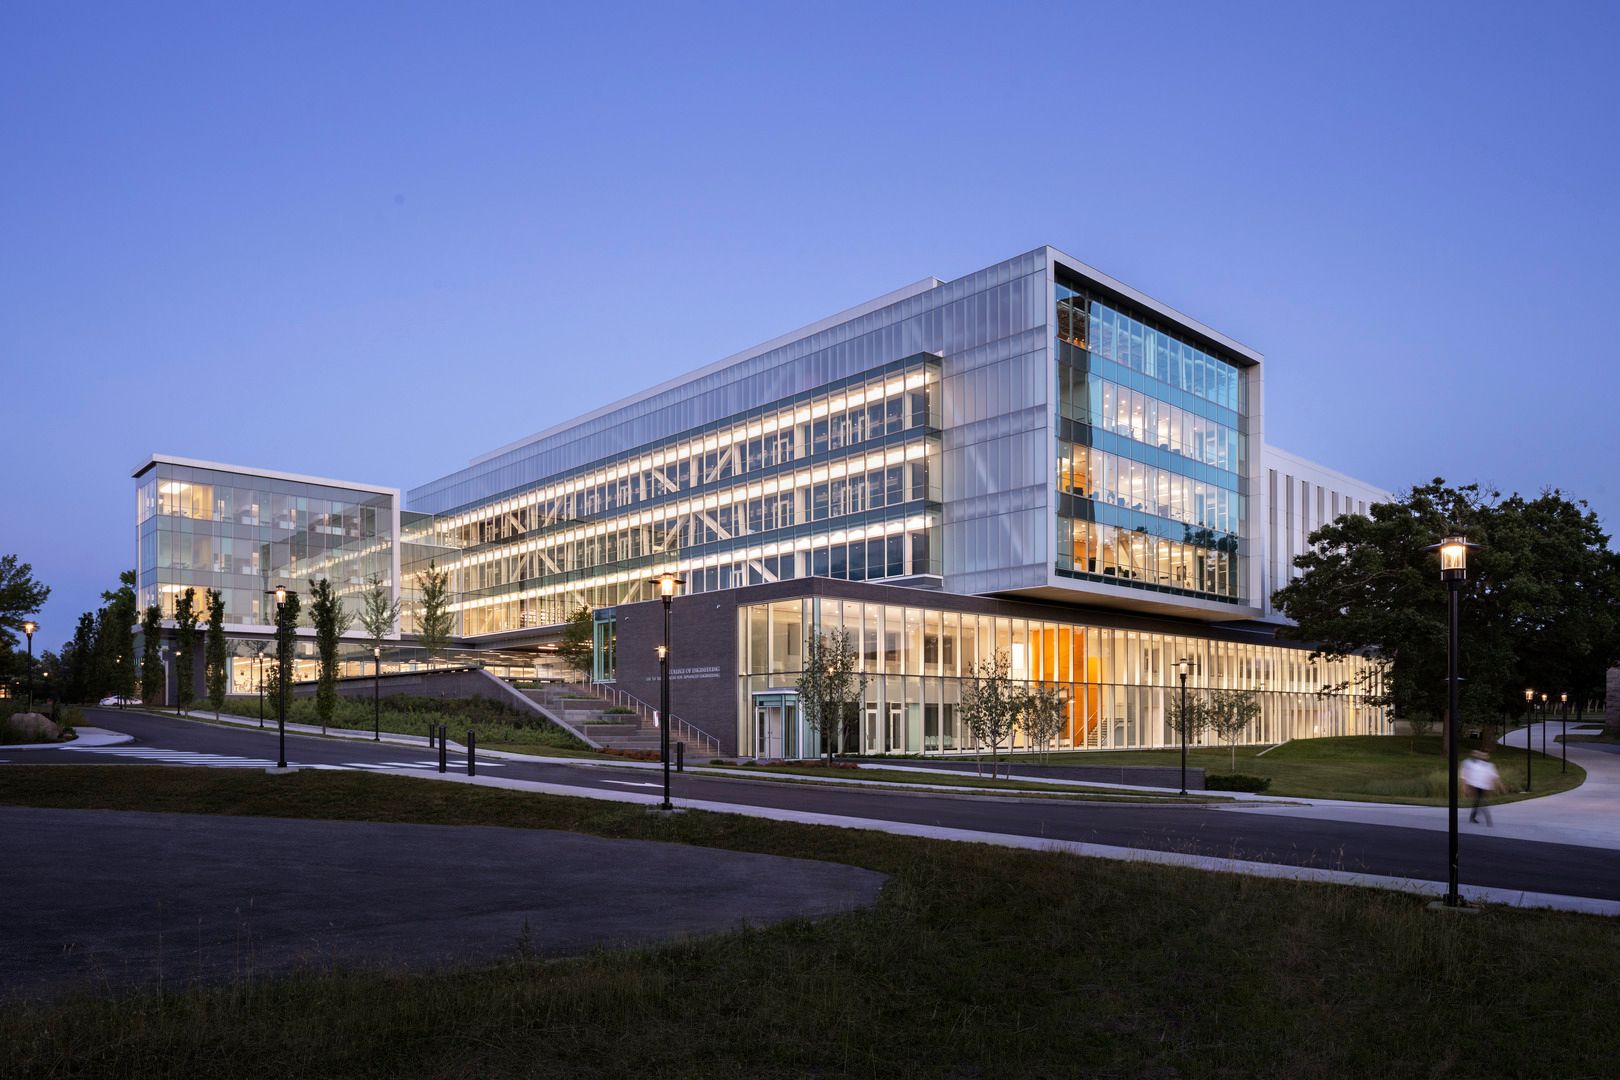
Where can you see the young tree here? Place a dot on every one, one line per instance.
(1190, 720)
(1419, 723)
(1230, 714)
(577, 647)
(218, 671)
(326, 612)
(78, 660)
(185, 659)
(829, 686)
(1045, 710)
(151, 658)
(115, 637)
(286, 638)
(379, 612)
(434, 619)
(991, 704)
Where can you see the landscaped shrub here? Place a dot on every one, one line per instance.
(495, 721)
(1235, 782)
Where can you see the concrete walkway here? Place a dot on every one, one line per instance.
(1586, 816)
(132, 898)
(88, 736)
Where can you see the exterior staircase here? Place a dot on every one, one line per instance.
(601, 711)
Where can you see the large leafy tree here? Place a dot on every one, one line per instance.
(1538, 608)
(78, 660)
(217, 676)
(185, 666)
(20, 597)
(326, 612)
(151, 659)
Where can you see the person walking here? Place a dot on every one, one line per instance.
(1481, 777)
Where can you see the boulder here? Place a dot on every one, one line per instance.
(30, 727)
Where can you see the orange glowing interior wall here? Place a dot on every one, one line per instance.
(1060, 657)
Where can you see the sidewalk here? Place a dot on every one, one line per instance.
(1587, 816)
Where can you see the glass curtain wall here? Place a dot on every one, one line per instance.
(1118, 683)
(1152, 451)
(244, 534)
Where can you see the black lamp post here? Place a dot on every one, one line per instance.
(260, 659)
(1563, 725)
(1529, 704)
(1453, 571)
(667, 583)
(1543, 724)
(376, 693)
(1183, 669)
(28, 628)
(283, 677)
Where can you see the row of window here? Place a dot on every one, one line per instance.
(913, 551)
(827, 423)
(1200, 563)
(1143, 418)
(884, 488)
(1113, 480)
(1100, 329)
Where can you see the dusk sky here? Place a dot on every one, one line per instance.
(373, 241)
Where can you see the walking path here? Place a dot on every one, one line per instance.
(1586, 816)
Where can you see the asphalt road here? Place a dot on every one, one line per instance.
(135, 898)
(1339, 845)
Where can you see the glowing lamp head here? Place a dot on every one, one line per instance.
(668, 582)
(376, 652)
(1529, 695)
(1544, 699)
(1563, 698)
(1184, 667)
(1454, 558)
(281, 595)
(663, 652)
(29, 627)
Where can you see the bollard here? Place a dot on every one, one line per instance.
(680, 757)
(472, 750)
(430, 735)
(443, 760)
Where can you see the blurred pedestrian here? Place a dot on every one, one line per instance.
(1481, 777)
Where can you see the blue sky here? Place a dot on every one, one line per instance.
(373, 241)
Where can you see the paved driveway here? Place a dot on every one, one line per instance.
(135, 897)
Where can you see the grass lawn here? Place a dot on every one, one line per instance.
(1377, 768)
(494, 721)
(976, 962)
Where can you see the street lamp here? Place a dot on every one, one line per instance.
(667, 583)
(260, 661)
(1183, 669)
(1453, 571)
(1544, 724)
(1563, 738)
(376, 693)
(1529, 703)
(282, 677)
(28, 628)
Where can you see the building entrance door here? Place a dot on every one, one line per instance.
(776, 724)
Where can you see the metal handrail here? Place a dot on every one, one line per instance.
(626, 699)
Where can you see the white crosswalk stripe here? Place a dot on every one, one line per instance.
(174, 757)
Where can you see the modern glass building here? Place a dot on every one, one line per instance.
(1035, 434)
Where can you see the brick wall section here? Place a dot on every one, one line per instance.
(703, 659)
